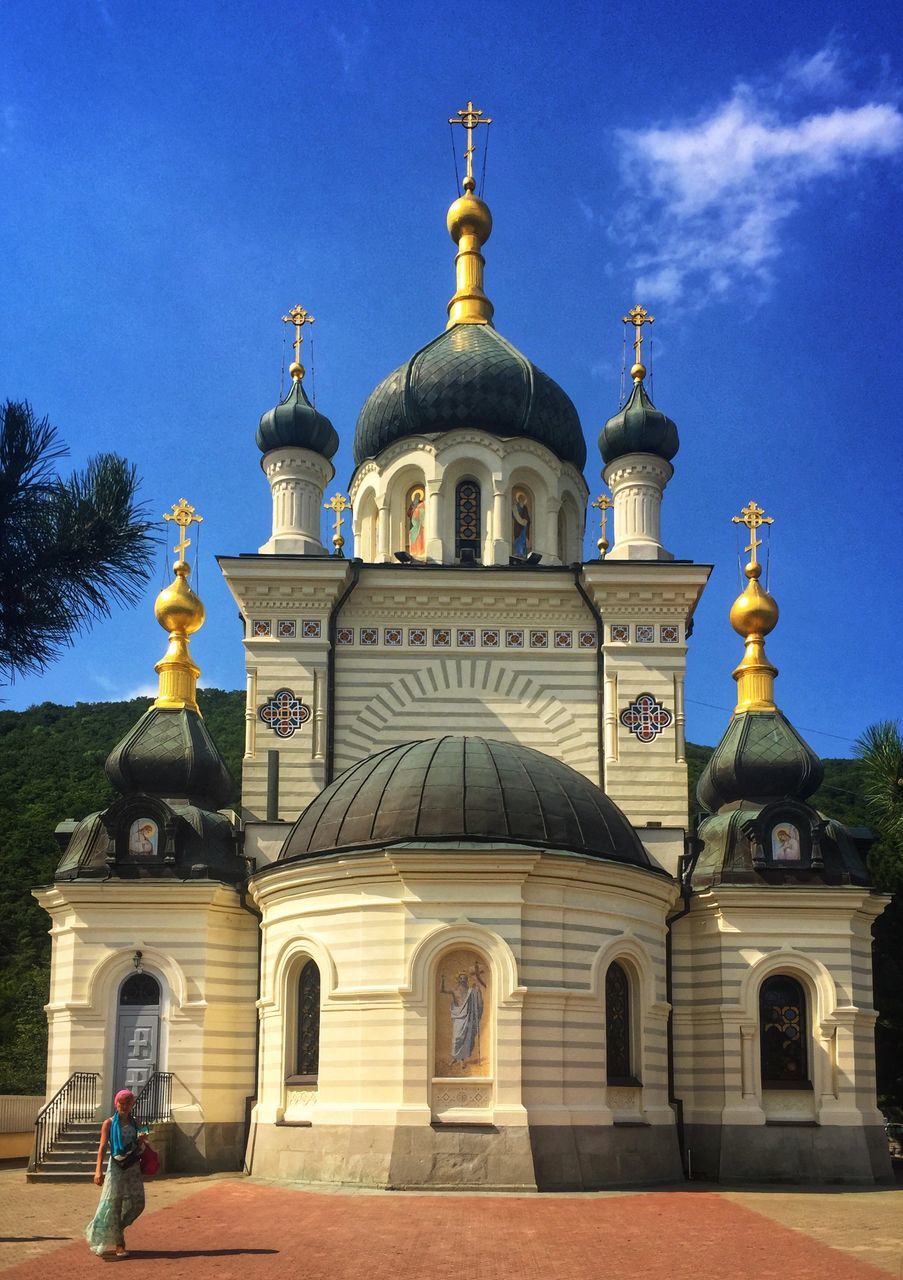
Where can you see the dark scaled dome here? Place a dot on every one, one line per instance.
(295, 423)
(760, 756)
(464, 788)
(470, 376)
(170, 753)
(638, 428)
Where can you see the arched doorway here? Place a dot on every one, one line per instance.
(137, 1032)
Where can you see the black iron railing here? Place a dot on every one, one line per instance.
(75, 1103)
(154, 1103)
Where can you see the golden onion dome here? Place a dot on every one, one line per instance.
(177, 608)
(754, 612)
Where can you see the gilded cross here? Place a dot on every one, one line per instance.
(298, 317)
(183, 515)
(753, 517)
(470, 118)
(339, 504)
(638, 316)
(603, 505)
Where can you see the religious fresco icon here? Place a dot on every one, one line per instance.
(284, 713)
(785, 843)
(646, 717)
(463, 1015)
(144, 835)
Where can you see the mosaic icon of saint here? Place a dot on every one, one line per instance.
(416, 522)
(143, 838)
(521, 541)
(785, 843)
(466, 1010)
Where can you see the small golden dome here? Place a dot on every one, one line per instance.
(177, 608)
(469, 215)
(638, 372)
(755, 612)
(296, 370)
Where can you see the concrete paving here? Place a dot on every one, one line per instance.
(234, 1227)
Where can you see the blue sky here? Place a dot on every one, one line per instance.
(177, 176)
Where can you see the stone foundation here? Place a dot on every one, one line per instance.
(790, 1153)
(204, 1148)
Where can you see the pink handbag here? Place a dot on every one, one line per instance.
(150, 1161)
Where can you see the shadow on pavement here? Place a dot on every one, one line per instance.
(194, 1253)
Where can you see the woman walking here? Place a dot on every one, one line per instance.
(122, 1200)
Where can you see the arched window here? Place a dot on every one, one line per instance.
(782, 1033)
(140, 988)
(307, 1056)
(618, 1057)
(467, 519)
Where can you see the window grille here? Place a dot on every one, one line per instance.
(782, 1031)
(617, 1025)
(308, 1055)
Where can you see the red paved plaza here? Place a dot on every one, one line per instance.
(246, 1230)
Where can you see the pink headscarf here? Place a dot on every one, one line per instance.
(122, 1095)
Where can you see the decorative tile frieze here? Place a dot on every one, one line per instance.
(441, 637)
(514, 639)
(587, 639)
(286, 628)
(393, 637)
(284, 713)
(467, 638)
(417, 637)
(369, 636)
(646, 717)
(564, 639)
(539, 639)
(261, 627)
(670, 635)
(645, 633)
(489, 639)
(311, 628)
(620, 633)
(345, 635)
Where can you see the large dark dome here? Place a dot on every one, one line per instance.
(464, 788)
(470, 376)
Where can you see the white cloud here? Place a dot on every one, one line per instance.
(711, 198)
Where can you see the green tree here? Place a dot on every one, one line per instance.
(880, 751)
(69, 548)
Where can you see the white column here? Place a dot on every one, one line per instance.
(501, 532)
(297, 479)
(435, 549)
(319, 735)
(680, 721)
(382, 534)
(637, 482)
(251, 714)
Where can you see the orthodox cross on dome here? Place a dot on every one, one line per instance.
(638, 316)
(753, 517)
(470, 118)
(339, 504)
(603, 505)
(183, 515)
(299, 318)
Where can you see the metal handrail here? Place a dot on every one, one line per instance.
(74, 1103)
(154, 1103)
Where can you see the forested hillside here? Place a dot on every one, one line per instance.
(51, 768)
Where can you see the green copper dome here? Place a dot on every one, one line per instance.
(761, 756)
(458, 788)
(295, 423)
(470, 376)
(638, 428)
(171, 753)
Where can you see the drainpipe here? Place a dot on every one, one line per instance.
(600, 670)
(330, 667)
(252, 1098)
(685, 871)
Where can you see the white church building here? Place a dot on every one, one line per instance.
(461, 933)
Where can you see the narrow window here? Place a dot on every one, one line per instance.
(617, 1025)
(308, 1054)
(782, 1030)
(467, 519)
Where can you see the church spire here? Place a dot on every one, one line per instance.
(181, 613)
(470, 226)
(753, 615)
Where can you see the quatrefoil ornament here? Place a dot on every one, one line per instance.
(284, 713)
(646, 717)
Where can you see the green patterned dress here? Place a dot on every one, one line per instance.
(121, 1202)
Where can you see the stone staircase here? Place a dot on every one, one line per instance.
(71, 1158)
